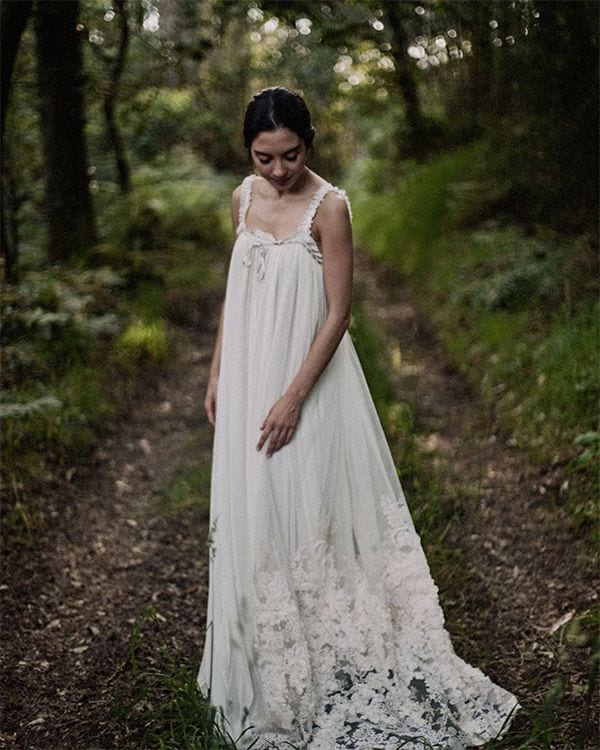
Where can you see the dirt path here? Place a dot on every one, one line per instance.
(109, 552)
(70, 603)
(526, 569)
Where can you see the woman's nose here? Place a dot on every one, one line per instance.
(278, 169)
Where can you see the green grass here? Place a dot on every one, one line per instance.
(158, 704)
(188, 489)
(518, 312)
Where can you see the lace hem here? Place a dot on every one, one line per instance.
(348, 660)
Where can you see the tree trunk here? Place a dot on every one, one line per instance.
(482, 82)
(123, 172)
(69, 207)
(13, 20)
(405, 80)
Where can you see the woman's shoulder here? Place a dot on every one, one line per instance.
(330, 194)
(335, 205)
(239, 189)
(335, 202)
(238, 193)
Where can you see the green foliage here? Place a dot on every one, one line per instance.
(134, 266)
(149, 302)
(160, 705)
(58, 334)
(61, 310)
(584, 499)
(409, 213)
(70, 335)
(590, 454)
(189, 488)
(146, 342)
(159, 118)
(532, 275)
(175, 198)
(15, 410)
(193, 281)
(55, 323)
(516, 312)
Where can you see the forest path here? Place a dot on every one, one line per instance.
(524, 569)
(109, 551)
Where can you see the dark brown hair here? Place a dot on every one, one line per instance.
(277, 107)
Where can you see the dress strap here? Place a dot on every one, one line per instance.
(245, 199)
(316, 201)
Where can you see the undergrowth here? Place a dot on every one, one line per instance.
(158, 704)
(516, 307)
(78, 338)
(540, 724)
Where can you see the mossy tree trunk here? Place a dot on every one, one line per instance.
(110, 101)
(13, 20)
(69, 206)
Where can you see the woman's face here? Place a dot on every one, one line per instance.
(279, 156)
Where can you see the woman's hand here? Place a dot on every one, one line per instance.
(210, 400)
(280, 423)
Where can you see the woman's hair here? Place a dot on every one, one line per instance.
(277, 107)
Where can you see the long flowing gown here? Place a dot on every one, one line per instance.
(324, 628)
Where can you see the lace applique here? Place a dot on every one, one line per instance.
(245, 199)
(265, 240)
(311, 212)
(348, 660)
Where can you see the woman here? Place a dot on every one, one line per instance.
(324, 627)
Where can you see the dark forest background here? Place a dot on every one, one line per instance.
(464, 131)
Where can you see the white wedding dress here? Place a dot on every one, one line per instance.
(324, 628)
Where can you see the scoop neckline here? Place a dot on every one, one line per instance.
(299, 230)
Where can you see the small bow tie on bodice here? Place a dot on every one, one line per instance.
(256, 252)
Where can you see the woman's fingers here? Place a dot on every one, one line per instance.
(279, 425)
(278, 434)
(266, 431)
(275, 440)
(284, 437)
(210, 409)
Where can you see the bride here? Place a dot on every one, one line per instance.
(324, 628)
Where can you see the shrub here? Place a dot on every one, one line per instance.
(145, 341)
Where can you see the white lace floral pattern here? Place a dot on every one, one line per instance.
(349, 662)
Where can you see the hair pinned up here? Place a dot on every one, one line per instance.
(277, 107)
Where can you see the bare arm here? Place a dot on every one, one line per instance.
(336, 244)
(210, 401)
(337, 250)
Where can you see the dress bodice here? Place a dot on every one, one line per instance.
(260, 241)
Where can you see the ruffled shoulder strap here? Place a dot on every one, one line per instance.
(245, 198)
(316, 201)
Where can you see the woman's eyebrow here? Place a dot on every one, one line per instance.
(289, 151)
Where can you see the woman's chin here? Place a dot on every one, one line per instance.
(280, 183)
